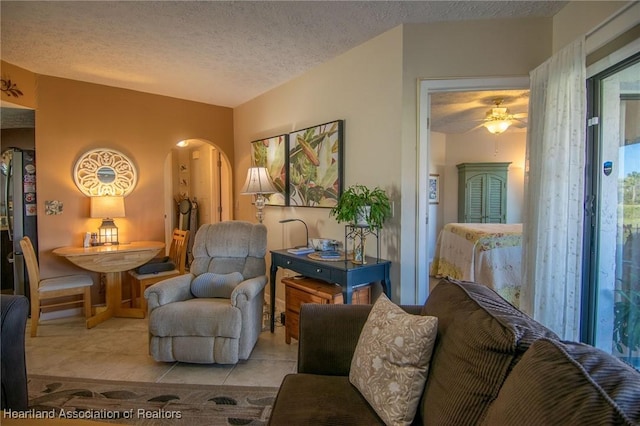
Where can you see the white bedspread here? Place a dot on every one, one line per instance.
(485, 253)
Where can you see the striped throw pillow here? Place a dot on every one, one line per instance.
(210, 284)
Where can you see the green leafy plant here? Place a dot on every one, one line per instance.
(356, 198)
(626, 323)
(626, 308)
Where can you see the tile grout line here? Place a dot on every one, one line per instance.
(166, 372)
(83, 345)
(224, 382)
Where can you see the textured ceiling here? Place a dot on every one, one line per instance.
(461, 112)
(216, 52)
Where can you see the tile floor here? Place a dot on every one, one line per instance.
(117, 350)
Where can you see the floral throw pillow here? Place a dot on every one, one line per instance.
(391, 360)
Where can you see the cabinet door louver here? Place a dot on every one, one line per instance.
(474, 199)
(482, 192)
(495, 195)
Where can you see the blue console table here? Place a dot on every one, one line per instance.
(344, 273)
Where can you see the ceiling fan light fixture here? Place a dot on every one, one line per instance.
(497, 126)
(498, 118)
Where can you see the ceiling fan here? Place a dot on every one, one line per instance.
(498, 119)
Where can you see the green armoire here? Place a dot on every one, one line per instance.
(482, 192)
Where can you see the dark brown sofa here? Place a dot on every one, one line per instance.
(15, 310)
(491, 365)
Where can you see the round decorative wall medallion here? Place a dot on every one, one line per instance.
(104, 172)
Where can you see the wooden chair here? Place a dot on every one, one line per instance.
(177, 254)
(53, 288)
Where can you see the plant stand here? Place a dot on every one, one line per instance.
(358, 234)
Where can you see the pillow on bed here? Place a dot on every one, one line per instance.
(215, 285)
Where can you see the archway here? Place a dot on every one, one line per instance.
(197, 178)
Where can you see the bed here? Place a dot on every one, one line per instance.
(486, 253)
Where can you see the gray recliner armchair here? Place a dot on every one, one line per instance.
(214, 313)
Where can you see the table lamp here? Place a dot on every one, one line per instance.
(305, 227)
(106, 208)
(258, 183)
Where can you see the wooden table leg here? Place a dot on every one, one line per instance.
(114, 302)
(112, 287)
(119, 311)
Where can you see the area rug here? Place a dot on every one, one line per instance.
(136, 403)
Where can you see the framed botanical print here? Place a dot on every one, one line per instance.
(316, 165)
(272, 154)
(434, 189)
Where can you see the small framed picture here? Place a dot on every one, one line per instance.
(434, 189)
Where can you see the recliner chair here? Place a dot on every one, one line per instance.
(214, 313)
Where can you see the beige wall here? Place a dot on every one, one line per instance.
(73, 117)
(373, 87)
(361, 87)
(580, 17)
(488, 48)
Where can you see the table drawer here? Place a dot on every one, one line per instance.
(308, 270)
(295, 298)
(292, 326)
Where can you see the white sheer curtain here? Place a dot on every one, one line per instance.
(554, 191)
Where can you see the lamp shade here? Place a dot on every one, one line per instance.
(107, 207)
(497, 126)
(258, 182)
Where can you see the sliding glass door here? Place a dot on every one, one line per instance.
(611, 300)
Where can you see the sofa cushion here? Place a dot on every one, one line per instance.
(570, 384)
(480, 339)
(310, 399)
(391, 360)
(210, 284)
(155, 265)
(193, 317)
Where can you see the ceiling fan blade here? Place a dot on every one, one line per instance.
(519, 124)
(479, 126)
(520, 115)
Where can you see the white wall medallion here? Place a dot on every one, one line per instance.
(105, 172)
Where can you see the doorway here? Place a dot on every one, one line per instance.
(17, 219)
(429, 215)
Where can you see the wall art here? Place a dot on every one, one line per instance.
(316, 165)
(434, 189)
(104, 171)
(272, 154)
(53, 207)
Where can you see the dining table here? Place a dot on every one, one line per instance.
(112, 260)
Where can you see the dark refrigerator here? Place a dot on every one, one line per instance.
(17, 216)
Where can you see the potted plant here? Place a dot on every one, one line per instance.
(358, 203)
(626, 324)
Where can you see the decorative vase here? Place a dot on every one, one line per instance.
(359, 250)
(362, 216)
